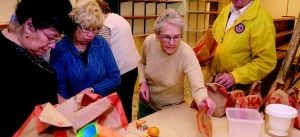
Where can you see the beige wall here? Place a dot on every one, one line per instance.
(279, 8)
(7, 7)
(293, 9)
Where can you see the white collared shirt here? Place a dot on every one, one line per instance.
(235, 14)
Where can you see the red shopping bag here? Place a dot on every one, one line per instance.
(64, 120)
(204, 123)
(205, 48)
(234, 98)
(297, 119)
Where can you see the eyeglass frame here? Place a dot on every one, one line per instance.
(86, 30)
(53, 39)
(168, 38)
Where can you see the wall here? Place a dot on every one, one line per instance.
(294, 10)
(144, 25)
(279, 8)
(7, 7)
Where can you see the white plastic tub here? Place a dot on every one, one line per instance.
(243, 122)
(279, 119)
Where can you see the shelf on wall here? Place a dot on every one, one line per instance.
(197, 31)
(143, 34)
(141, 14)
(204, 12)
(210, 1)
(283, 33)
(200, 17)
(280, 54)
(283, 47)
(284, 30)
(157, 1)
(284, 18)
(141, 17)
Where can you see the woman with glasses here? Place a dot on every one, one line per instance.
(83, 60)
(32, 31)
(165, 61)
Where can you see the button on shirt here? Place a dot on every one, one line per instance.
(235, 14)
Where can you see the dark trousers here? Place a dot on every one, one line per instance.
(144, 110)
(125, 91)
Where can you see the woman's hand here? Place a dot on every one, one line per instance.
(144, 91)
(60, 99)
(211, 105)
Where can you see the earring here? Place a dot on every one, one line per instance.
(26, 35)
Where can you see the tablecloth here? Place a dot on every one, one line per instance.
(180, 121)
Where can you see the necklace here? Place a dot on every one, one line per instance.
(80, 51)
(81, 48)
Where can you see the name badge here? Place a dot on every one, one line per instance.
(239, 28)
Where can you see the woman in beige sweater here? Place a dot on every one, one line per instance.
(165, 61)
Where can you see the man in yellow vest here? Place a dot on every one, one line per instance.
(246, 52)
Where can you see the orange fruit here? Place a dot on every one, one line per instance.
(153, 131)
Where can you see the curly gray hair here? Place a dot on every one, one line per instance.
(170, 16)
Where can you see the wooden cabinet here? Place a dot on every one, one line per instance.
(200, 16)
(141, 14)
(284, 29)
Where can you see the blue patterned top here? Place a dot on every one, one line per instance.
(101, 71)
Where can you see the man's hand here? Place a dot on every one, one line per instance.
(225, 79)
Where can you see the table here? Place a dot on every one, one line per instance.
(180, 121)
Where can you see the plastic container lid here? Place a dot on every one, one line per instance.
(282, 111)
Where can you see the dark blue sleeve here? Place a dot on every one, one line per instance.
(57, 61)
(112, 77)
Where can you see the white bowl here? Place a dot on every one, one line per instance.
(279, 119)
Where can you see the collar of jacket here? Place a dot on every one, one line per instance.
(250, 13)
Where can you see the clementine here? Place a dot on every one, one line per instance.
(153, 131)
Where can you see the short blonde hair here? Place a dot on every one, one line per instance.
(88, 15)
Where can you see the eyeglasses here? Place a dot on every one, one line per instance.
(87, 30)
(52, 39)
(168, 38)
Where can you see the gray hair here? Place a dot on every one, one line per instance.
(170, 16)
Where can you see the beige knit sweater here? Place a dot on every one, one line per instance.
(165, 74)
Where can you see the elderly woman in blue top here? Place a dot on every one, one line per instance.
(83, 60)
